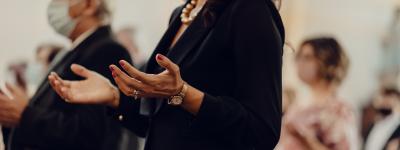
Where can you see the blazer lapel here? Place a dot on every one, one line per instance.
(164, 44)
(149, 105)
(69, 58)
(191, 38)
(45, 84)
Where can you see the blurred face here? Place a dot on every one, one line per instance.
(65, 15)
(307, 65)
(385, 104)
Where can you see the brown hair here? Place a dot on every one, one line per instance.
(390, 91)
(333, 61)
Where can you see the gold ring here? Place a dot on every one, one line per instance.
(136, 94)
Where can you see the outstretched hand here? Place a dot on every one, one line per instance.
(94, 89)
(139, 84)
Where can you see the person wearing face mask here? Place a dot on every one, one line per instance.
(327, 122)
(46, 121)
(387, 126)
(36, 71)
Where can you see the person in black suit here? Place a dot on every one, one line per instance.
(47, 122)
(215, 82)
(386, 129)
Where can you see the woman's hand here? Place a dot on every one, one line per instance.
(139, 84)
(95, 89)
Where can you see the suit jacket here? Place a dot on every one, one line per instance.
(49, 123)
(394, 136)
(236, 60)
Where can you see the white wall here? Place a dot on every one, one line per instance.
(358, 24)
(24, 25)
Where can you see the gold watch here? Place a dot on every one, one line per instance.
(177, 100)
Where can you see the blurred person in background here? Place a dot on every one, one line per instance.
(127, 37)
(46, 53)
(47, 122)
(327, 123)
(387, 125)
(391, 53)
(36, 71)
(288, 98)
(26, 76)
(16, 74)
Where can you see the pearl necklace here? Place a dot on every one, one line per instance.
(186, 16)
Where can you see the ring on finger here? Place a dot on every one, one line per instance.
(136, 94)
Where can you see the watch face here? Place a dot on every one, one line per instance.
(176, 100)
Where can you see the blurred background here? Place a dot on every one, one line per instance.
(368, 30)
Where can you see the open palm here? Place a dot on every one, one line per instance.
(95, 89)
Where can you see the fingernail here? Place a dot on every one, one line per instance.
(159, 57)
(111, 68)
(122, 63)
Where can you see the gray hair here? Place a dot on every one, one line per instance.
(105, 11)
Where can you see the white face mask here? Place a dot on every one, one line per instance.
(59, 18)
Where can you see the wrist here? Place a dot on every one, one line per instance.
(193, 100)
(116, 97)
(178, 98)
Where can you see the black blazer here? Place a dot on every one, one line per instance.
(49, 123)
(395, 135)
(236, 59)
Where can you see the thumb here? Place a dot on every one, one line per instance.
(80, 70)
(167, 64)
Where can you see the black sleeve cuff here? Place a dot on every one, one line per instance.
(207, 116)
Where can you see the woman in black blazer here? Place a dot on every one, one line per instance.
(214, 83)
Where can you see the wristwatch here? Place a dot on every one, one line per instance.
(177, 100)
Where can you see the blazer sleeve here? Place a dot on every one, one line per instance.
(253, 115)
(128, 113)
(70, 124)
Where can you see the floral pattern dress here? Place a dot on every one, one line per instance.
(329, 124)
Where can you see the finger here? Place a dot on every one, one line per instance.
(127, 90)
(135, 73)
(68, 96)
(3, 97)
(52, 79)
(11, 88)
(14, 91)
(59, 84)
(131, 82)
(80, 70)
(167, 64)
(60, 80)
(58, 90)
(56, 85)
